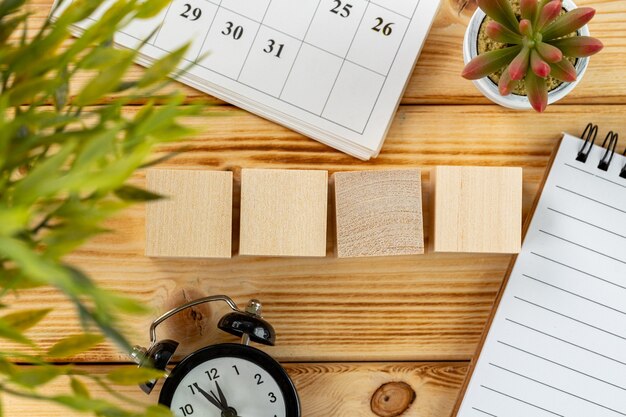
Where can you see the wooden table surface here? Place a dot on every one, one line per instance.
(347, 326)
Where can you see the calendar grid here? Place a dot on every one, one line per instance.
(394, 11)
(219, 5)
(253, 39)
(300, 48)
(344, 60)
(301, 39)
(394, 60)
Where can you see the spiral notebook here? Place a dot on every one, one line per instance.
(556, 342)
(334, 70)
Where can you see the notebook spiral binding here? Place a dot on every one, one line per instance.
(610, 143)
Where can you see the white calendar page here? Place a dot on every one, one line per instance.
(334, 70)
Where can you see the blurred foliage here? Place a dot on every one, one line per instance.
(64, 162)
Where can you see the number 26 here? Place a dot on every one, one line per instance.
(378, 27)
(270, 48)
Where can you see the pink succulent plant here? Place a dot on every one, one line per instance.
(536, 46)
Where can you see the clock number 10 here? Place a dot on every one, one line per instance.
(195, 12)
(273, 46)
(186, 410)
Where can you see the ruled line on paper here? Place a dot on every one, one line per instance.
(578, 270)
(582, 246)
(484, 412)
(590, 199)
(561, 365)
(565, 341)
(557, 389)
(612, 182)
(522, 401)
(577, 168)
(586, 222)
(571, 318)
(575, 294)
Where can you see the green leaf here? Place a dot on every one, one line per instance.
(79, 388)
(39, 182)
(131, 193)
(26, 92)
(500, 11)
(25, 319)
(80, 403)
(9, 6)
(101, 57)
(10, 333)
(73, 345)
(161, 68)
(107, 80)
(131, 375)
(489, 62)
(13, 220)
(151, 8)
(34, 376)
(158, 410)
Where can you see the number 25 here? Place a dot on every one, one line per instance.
(345, 12)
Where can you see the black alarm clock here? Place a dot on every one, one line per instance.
(223, 380)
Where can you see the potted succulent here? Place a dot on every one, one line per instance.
(528, 53)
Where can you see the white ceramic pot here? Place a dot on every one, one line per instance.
(515, 101)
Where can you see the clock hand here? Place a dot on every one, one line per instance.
(221, 394)
(212, 400)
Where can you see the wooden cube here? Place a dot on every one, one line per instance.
(476, 209)
(195, 217)
(379, 213)
(283, 212)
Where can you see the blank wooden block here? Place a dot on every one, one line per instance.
(476, 209)
(195, 218)
(283, 212)
(379, 213)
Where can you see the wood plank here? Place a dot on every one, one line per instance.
(338, 390)
(436, 78)
(476, 209)
(427, 307)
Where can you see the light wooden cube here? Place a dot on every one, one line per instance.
(283, 212)
(476, 209)
(379, 213)
(195, 217)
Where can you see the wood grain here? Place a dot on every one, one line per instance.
(436, 78)
(476, 209)
(378, 213)
(337, 390)
(194, 218)
(283, 212)
(424, 308)
(430, 307)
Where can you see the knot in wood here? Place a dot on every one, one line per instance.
(392, 399)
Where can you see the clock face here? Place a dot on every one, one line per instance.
(230, 381)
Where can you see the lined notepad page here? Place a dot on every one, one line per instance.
(557, 344)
